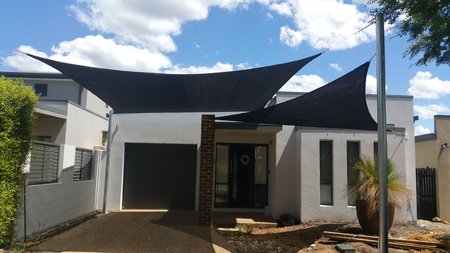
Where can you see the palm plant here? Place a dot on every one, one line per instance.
(366, 187)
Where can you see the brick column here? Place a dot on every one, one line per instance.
(206, 170)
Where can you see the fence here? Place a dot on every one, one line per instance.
(426, 193)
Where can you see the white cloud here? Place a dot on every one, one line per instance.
(419, 130)
(150, 24)
(94, 51)
(290, 37)
(428, 111)
(303, 83)
(366, 3)
(371, 85)
(307, 83)
(423, 85)
(336, 67)
(243, 65)
(22, 62)
(218, 67)
(282, 9)
(324, 24)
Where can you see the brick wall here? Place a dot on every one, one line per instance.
(206, 170)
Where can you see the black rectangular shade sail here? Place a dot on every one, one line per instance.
(339, 104)
(138, 92)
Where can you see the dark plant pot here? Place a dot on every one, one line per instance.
(370, 223)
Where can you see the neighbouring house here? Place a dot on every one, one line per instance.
(172, 146)
(432, 151)
(63, 180)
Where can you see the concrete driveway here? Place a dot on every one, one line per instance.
(172, 231)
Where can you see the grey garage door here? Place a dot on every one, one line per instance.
(159, 176)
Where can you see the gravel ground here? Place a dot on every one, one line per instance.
(308, 237)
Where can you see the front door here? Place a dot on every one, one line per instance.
(241, 176)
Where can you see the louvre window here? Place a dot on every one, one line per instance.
(44, 163)
(83, 164)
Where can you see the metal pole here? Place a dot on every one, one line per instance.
(24, 209)
(382, 136)
(108, 152)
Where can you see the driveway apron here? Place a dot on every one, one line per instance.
(172, 231)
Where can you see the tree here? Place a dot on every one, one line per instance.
(17, 103)
(425, 22)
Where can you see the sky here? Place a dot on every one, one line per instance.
(198, 36)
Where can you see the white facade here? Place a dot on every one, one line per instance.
(293, 155)
(67, 113)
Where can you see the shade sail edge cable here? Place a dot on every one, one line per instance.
(339, 104)
(139, 92)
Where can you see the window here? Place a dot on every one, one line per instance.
(40, 89)
(353, 154)
(326, 172)
(104, 138)
(83, 164)
(221, 187)
(44, 164)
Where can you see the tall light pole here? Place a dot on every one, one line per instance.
(382, 137)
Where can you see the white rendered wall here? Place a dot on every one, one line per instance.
(83, 128)
(310, 171)
(93, 103)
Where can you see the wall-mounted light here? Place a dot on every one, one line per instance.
(445, 145)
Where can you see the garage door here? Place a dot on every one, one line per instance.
(159, 176)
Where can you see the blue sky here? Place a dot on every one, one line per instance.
(217, 35)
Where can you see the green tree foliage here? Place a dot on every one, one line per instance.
(17, 103)
(427, 25)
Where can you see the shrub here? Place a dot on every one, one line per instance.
(17, 103)
(367, 185)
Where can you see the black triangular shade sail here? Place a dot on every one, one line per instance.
(339, 104)
(135, 92)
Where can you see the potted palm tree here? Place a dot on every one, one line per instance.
(366, 188)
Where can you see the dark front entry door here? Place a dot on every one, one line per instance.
(241, 176)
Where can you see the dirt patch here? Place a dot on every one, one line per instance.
(308, 237)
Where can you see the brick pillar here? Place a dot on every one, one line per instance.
(206, 170)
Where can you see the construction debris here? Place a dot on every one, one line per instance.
(345, 248)
(395, 243)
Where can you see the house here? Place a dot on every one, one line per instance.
(172, 146)
(70, 123)
(432, 150)
(257, 167)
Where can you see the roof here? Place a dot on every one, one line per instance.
(12, 74)
(425, 137)
(135, 92)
